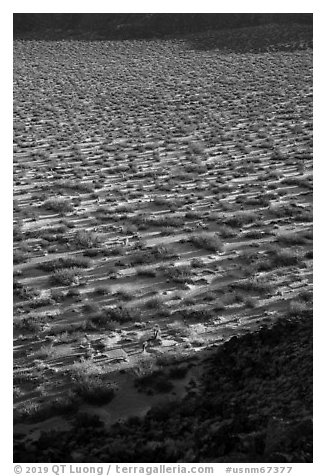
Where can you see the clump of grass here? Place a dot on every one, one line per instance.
(207, 241)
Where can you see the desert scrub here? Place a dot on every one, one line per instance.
(29, 325)
(226, 232)
(288, 239)
(65, 277)
(36, 412)
(86, 239)
(207, 241)
(94, 390)
(124, 294)
(146, 272)
(61, 263)
(179, 274)
(85, 368)
(45, 352)
(154, 303)
(102, 291)
(58, 205)
(20, 256)
(254, 285)
(240, 219)
(198, 315)
(282, 258)
(299, 308)
(24, 292)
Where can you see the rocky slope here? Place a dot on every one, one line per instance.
(254, 404)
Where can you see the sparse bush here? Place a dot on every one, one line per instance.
(94, 390)
(65, 277)
(282, 258)
(28, 324)
(288, 239)
(20, 257)
(299, 308)
(227, 232)
(102, 290)
(58, 205)
(240, 219)
(154, 303)
(68, 262)
(207, 241)
(86, 239)
(147, 272)
(124, 294)
(180, 274)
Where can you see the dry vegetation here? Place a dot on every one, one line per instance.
(155, 182)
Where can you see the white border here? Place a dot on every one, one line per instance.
(166, 6)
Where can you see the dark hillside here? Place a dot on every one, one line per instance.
(254, 404)
(138, 25)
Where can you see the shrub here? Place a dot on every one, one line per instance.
(289, 239)
(124, 294)
(299, 308)
(65, 277)
(91, 308)
(58, 205)
(45, 352)
(94, 390)
(28, 324)
(148, 272)
(207, 241)
(123, 314)
(84, 369)
(102, 290)
(240, 219)
(68, 262)
(154, 303)
(227, 232)
(20, 257)
(86, 239)
(252, 284)
(180, 274)
(282, 258)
